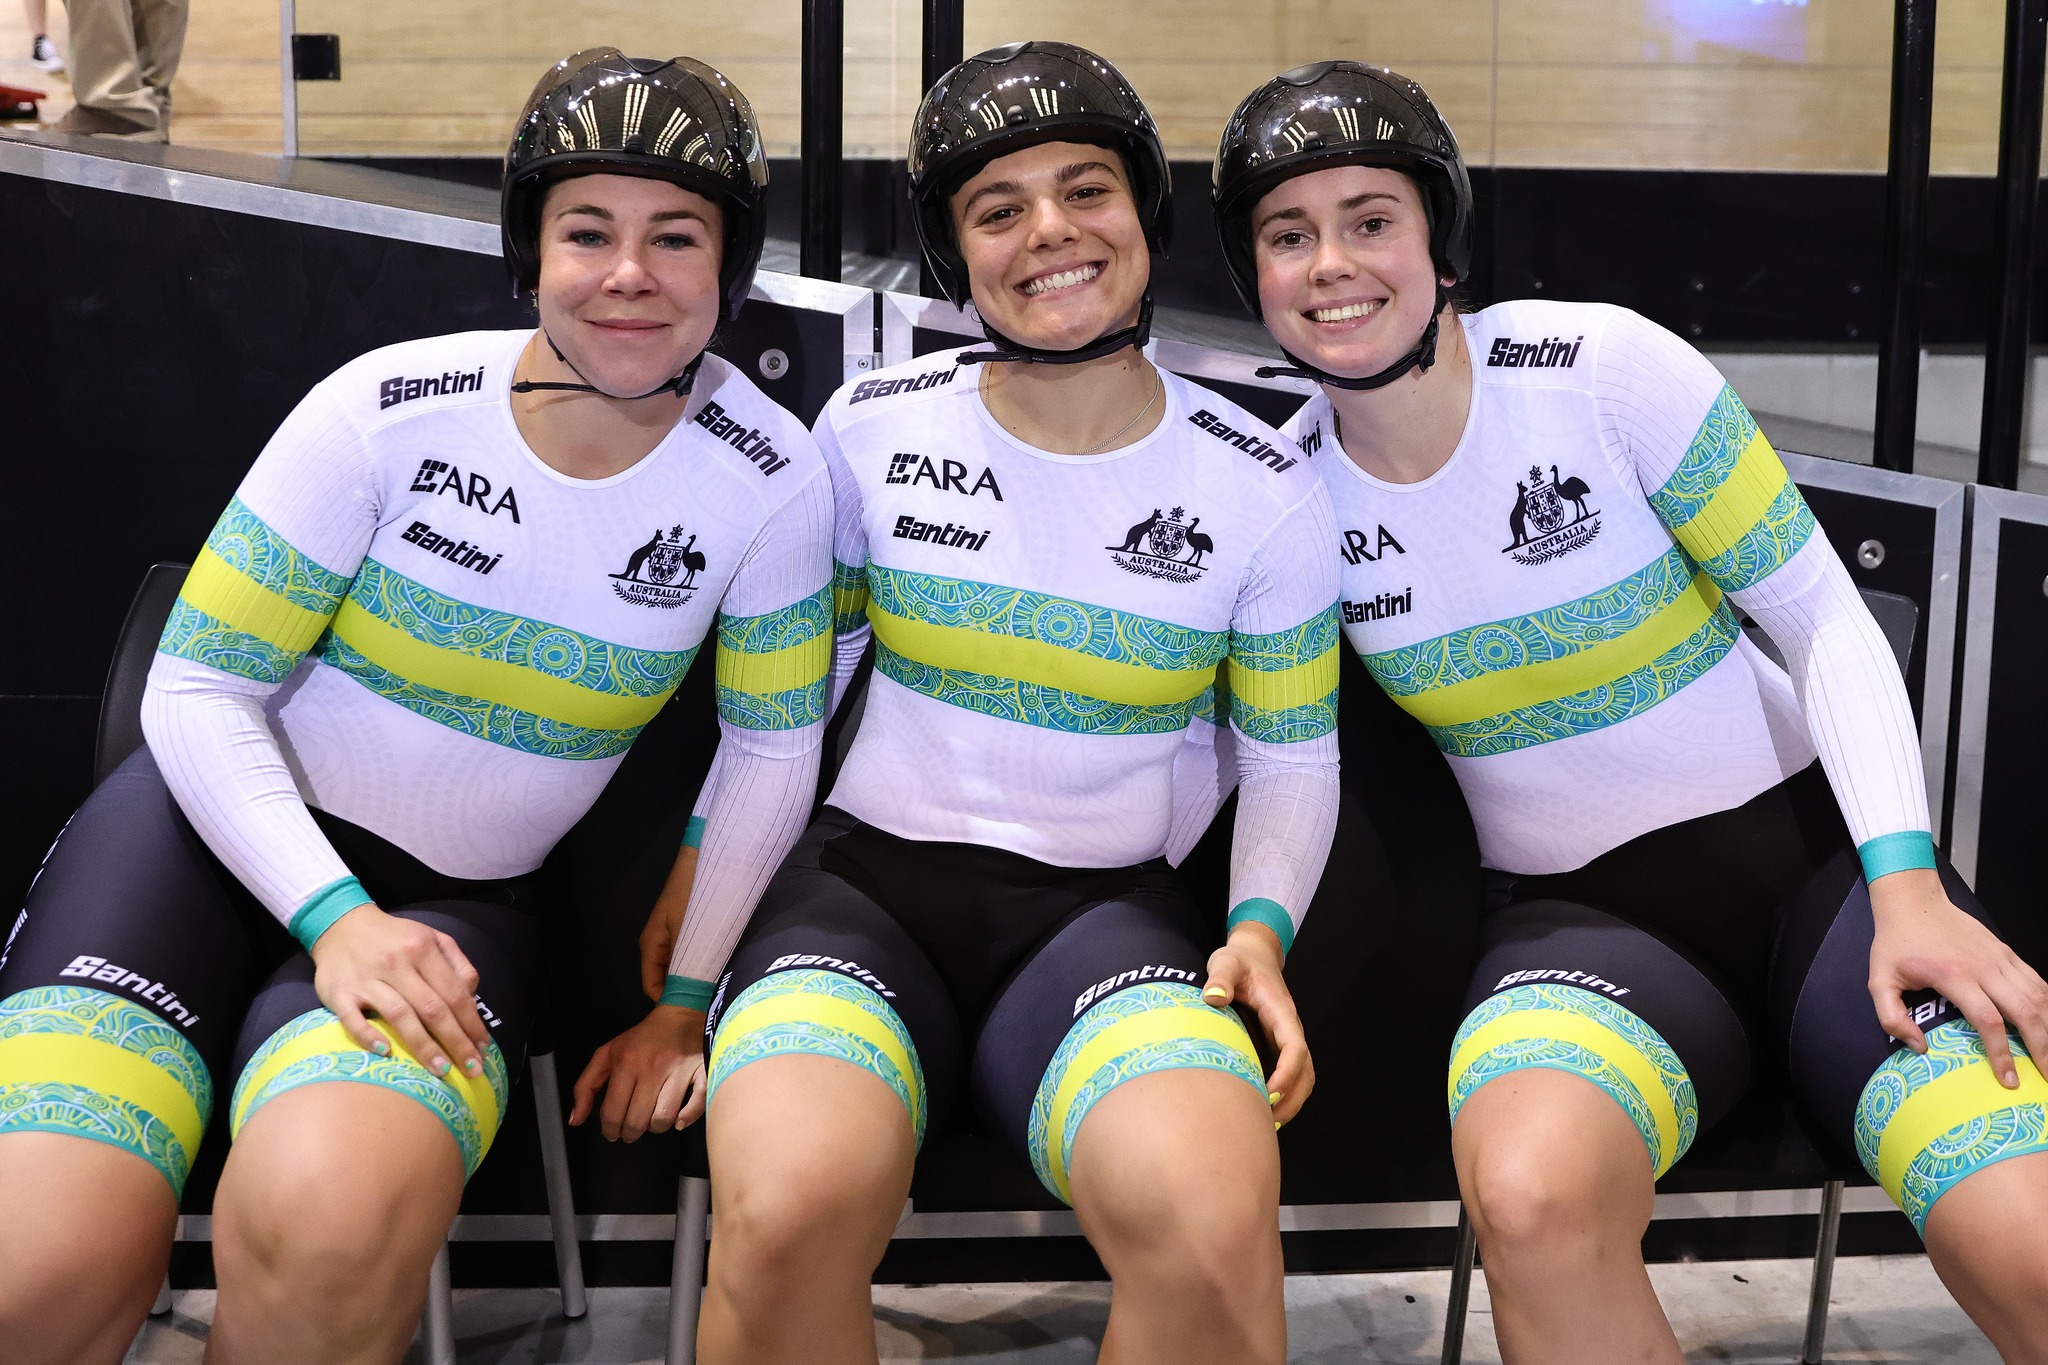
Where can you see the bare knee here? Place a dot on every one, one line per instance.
(778, 1234)
(1209, 1242)
(1545, 1200)
(340, 1249)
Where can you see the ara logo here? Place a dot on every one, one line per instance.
(1551, 353)
(460, 553)
(392, 392)
(1380, 608)
(471, 490)
(882, 388)
(1154, 547)
(1249, 443)
(946, 475)
(1357, 547)
(663, 572)
(1542, 525)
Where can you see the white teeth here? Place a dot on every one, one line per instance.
(1080, 274)
(1344, 314)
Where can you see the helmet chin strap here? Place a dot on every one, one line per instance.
(1421, 358)
(1137, 334)
(680, 386)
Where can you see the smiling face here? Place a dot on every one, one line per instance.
(1346, 281)
(628, 277)
(1056, 256)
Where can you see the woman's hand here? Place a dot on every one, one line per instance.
(1924, 943)
(664, 922)
(412, 977)
(653, 1074)
(1246, 971)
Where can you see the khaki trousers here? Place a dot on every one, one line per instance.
(124, 54)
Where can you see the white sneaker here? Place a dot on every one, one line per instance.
(44, 54)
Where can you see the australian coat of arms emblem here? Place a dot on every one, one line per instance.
(661, 573)
(1550, 518)
(1165, 546)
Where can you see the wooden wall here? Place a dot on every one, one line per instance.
(1683, 84)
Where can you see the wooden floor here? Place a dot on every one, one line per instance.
(1685, 84)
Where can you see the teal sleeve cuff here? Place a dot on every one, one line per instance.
(688, 992)
(693, 832)
(1259, 910)
(327, 905)
(1901, 852)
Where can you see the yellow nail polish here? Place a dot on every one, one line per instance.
(1276, 1125)
(1215, 993)
(1272, 1097)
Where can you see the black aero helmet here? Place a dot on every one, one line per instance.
(1009, 98)
(602, 112)
(1333, 114)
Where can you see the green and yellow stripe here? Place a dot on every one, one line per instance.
(1730, 503)
(1284, 684)
(771, 668)
(1145, 1028)
(252, 604)
(89, 1064)
(526, 684)
(814, 1012)
(1037, 659)
(1573, 668)
(849, 597)
(1564, 1028)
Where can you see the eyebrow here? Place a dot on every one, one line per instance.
(593, 211)
(1067, 175)
(1298, 214)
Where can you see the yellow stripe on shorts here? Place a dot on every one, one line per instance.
(1564, 1026)
(826, 1010)
(1163, 1024)
(104, 1069)
(328, 1038)
(1968, 1093)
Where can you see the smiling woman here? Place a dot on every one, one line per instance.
(375, 709)
(983, 916)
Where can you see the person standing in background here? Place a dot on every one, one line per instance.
(123, 56)
(42, 53)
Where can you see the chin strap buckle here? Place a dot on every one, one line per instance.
(1137, 334)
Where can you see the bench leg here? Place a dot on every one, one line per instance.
(686, 1284)
(437, 1324)
(1823, 1273)
(1461, 1290)
(554, 1160)
(163, 1300)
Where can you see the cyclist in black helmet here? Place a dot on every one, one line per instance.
(1700, 858)
(1053, 545)
(452, 589)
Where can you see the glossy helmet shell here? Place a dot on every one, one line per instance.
(602, 112)
(1009, 98)
(1334, 114)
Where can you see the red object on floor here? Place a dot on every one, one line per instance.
(19, 103)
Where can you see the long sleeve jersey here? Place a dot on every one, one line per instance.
(1556, 604)
(408, 620)
(1048, 626)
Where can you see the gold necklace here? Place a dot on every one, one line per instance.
(1158, 387)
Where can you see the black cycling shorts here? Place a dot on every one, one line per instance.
(938, 965)
(1651, 970)
(140, 976)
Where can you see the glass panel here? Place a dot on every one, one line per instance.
(447, 79)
